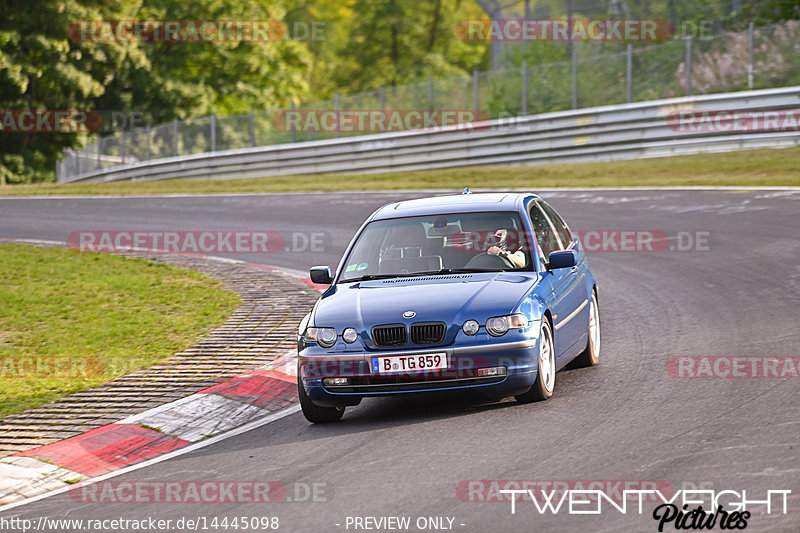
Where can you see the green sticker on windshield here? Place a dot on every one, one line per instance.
(362, 266)
(350, 268)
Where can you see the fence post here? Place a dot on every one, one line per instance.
(382, 98)
(629, 74)
(476, 95)
(574, 58)
(689, 65)
(175, 137)
(213, 125)
(525, 83)
(750, 54)
(122, 146)
(252, 127)
(99, 163)
(294, 133)
(148, 130)
(430, 93)
(336, 103)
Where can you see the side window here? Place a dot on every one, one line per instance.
(546, 237)
(558, 224)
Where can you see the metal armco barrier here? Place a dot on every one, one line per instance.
(627, 131)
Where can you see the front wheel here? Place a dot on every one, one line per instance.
(545, 383)
(315, 413)
(590, 356)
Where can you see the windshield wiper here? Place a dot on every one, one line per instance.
(451, 271)
(370, 277)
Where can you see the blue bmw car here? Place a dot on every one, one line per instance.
(488, 292)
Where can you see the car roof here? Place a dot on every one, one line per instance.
(456, 203)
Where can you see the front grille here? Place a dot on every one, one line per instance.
(390, 336)
(427, 333)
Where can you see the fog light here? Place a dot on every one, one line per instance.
(493, 371)
(470, 327)
(335, 381)
(350, 335)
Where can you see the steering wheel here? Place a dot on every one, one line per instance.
(489, 261)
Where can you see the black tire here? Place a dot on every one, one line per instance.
(539, 390)
(590, 356)
(315, 413)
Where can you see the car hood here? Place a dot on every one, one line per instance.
(452, 299)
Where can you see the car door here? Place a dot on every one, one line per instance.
(570, 304)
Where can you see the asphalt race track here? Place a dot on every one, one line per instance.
(736, 293)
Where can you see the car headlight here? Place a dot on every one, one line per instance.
(325, 337)
(470, 327)
(350, 335)
(498, 325)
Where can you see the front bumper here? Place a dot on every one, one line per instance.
(519, 357)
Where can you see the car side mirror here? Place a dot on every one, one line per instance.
(321, 275)
(562, 259)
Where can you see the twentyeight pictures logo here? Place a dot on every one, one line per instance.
(671, 509)
(575, 30)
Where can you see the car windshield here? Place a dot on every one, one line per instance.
(439, 244)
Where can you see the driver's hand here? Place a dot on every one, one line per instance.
(494, 250)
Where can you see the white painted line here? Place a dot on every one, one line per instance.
(181, 451)
(405, 191)
(34, 241)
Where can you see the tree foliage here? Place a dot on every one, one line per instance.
(363, 44)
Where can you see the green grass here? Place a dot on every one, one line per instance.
(744, 168)
(72, 320)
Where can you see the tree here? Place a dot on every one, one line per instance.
(42, 67)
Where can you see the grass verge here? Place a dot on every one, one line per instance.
(72, 320)
(744, 168)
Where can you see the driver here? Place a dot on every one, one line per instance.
(503, 249)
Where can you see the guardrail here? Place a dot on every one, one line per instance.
(626, 131)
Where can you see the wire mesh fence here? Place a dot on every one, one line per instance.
(758, 58)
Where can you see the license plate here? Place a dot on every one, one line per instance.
(429, 362)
